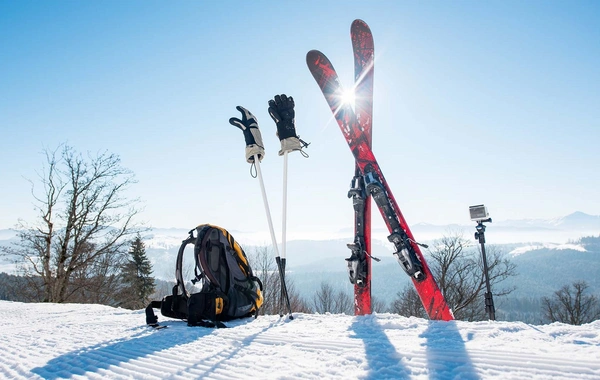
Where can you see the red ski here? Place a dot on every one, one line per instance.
(363, 49)
(407, 250)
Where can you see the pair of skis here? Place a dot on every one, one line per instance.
(369, 180)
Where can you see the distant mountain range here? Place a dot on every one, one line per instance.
(576, 220)
(558, 230)
(544, 250)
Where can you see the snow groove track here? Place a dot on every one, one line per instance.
(52, 341)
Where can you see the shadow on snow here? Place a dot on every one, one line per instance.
(383, 360)
(447, 356)
(101, 356)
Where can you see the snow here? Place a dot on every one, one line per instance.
(533, 247)
(54, 341)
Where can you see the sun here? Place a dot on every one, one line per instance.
(347, 97)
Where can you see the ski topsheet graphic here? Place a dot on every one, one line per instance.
(359, 263)
(407, 252)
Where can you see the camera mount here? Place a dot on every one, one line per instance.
(480, 215)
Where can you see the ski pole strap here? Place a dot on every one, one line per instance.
(253, 172)
(304, 145)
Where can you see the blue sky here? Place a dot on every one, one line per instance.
(491, 102)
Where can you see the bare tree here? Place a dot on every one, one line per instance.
(323, 299)
(265, 268)
(162, 288)
(74, 249)
(344, 303)
(298, 304)
(327, 300)
(99, 282)
(407, 303)
(570, 305)
(378, 305)
(12, 288)
(460, 276)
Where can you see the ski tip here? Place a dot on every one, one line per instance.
(312, 55)
(359, 24)
(315, 58)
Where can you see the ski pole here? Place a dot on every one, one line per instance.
(284, 217)
(280, 261)
(281, 109)
(284, 210)
(254, 154)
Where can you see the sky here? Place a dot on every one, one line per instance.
(474, 102)
(51, 341)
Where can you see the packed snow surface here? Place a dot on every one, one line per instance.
(54, 341)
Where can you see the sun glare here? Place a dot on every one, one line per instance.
(348, 97)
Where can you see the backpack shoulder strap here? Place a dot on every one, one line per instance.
(179, 263)
(209, 251)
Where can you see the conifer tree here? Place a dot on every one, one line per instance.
(138, 283)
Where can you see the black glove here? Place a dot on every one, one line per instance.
(282, 112)
(249, 125)
(281, 109)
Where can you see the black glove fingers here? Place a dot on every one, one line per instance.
(288, 103)
(274, 114)
(237, 123)
(246, 115)
(241, 109)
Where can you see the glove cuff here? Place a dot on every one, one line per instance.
(252, 150)
(290, 144)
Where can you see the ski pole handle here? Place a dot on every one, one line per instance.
(249, 125)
